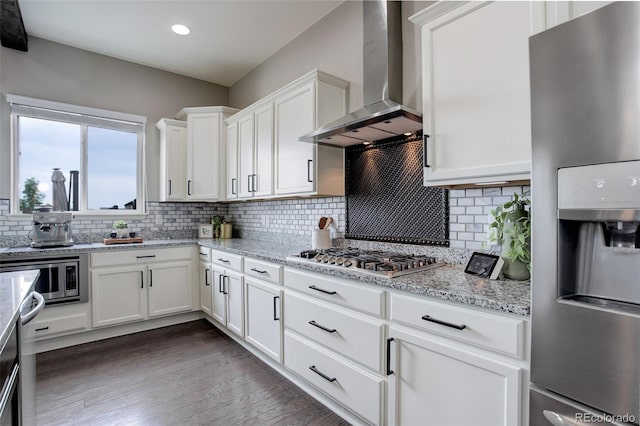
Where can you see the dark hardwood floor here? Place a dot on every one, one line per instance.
(188, 374)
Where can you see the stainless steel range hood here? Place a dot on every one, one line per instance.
(383, 115)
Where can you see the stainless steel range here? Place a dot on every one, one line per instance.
(379, 263)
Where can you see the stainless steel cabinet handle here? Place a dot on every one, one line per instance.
(146, 256)
(188, 187)
(225, 284)
(206, 276)
(389, 370)
(203, 254)
(25, 318)
(425, 162)
(150, 278)
(313, 287)
(169, 186)
(249, 183)
(309, 170)
(275, 315)
(259, 271)
(223, 260)
(319, 373)
(447, 324)
(322, 327)
(141, 279)
(233, 185)
(253, 183)
(220, 284)
(42, 329)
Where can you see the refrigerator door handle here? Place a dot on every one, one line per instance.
(556, 419)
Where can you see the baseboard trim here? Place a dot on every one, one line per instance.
(96, 334)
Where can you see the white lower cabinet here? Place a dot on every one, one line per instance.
(150, 286)
(264, 319)
(60, 320)
(435, 383)
(228, 299)
(353, 386)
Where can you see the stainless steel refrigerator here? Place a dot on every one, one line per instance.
(585, 94)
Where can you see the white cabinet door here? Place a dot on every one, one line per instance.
(441, 385)
(206, 289)
(219, 296)
(234, 287)
(559, 12)
(245, 144)
(264, 323)
(203, 156)
(232, 161)
(294, 160)
(118, 295)
(263, 151)
(170, 289)
(173, 161)
(476, 91)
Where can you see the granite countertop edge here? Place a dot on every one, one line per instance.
(447, 283)
(14, 288)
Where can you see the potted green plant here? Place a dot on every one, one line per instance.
(121, 228)
(512, 228)
(217, 221)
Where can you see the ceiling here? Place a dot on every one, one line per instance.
(228, 37)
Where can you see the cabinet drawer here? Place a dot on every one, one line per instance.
(205, 254)
(228, 260)
(491, 331)
(263, 270)
(335, 290)
(347, 333)
(353, 387)
(70, 322)
(127, 257)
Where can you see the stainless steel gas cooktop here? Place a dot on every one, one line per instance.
(379, 263)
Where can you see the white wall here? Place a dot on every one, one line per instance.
(61, 73)
(334, 45)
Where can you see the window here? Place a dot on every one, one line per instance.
(94, 156)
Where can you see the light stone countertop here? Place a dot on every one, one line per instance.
(448, 282)
(14, 287)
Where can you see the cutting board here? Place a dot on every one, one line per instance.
(109, 241)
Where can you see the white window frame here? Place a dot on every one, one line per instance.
(84, 116)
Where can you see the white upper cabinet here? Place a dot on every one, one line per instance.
(271, 161)
(476, 102)
(232, 161)
(206, 152)
(173, 159)
(305, 105)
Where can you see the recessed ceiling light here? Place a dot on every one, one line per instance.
(180, 29)
(408, 133)
(366, 143)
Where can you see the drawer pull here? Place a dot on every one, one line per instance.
(145, 257)
(203, 254)
(259, 271)
(42, 328)
(275, 305)
(141, 279)
(321, 327)
(223, 260)
(206, 276)
(321, 374)
(446, 324)
(313, 287)
(389, 370)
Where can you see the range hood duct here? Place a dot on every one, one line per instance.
(383, 116)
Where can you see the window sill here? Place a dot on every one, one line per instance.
(117, 214)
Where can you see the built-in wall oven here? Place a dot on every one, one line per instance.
(62, 279)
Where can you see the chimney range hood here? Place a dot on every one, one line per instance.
(383, 115)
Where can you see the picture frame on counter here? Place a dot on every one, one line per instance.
(205, 231)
